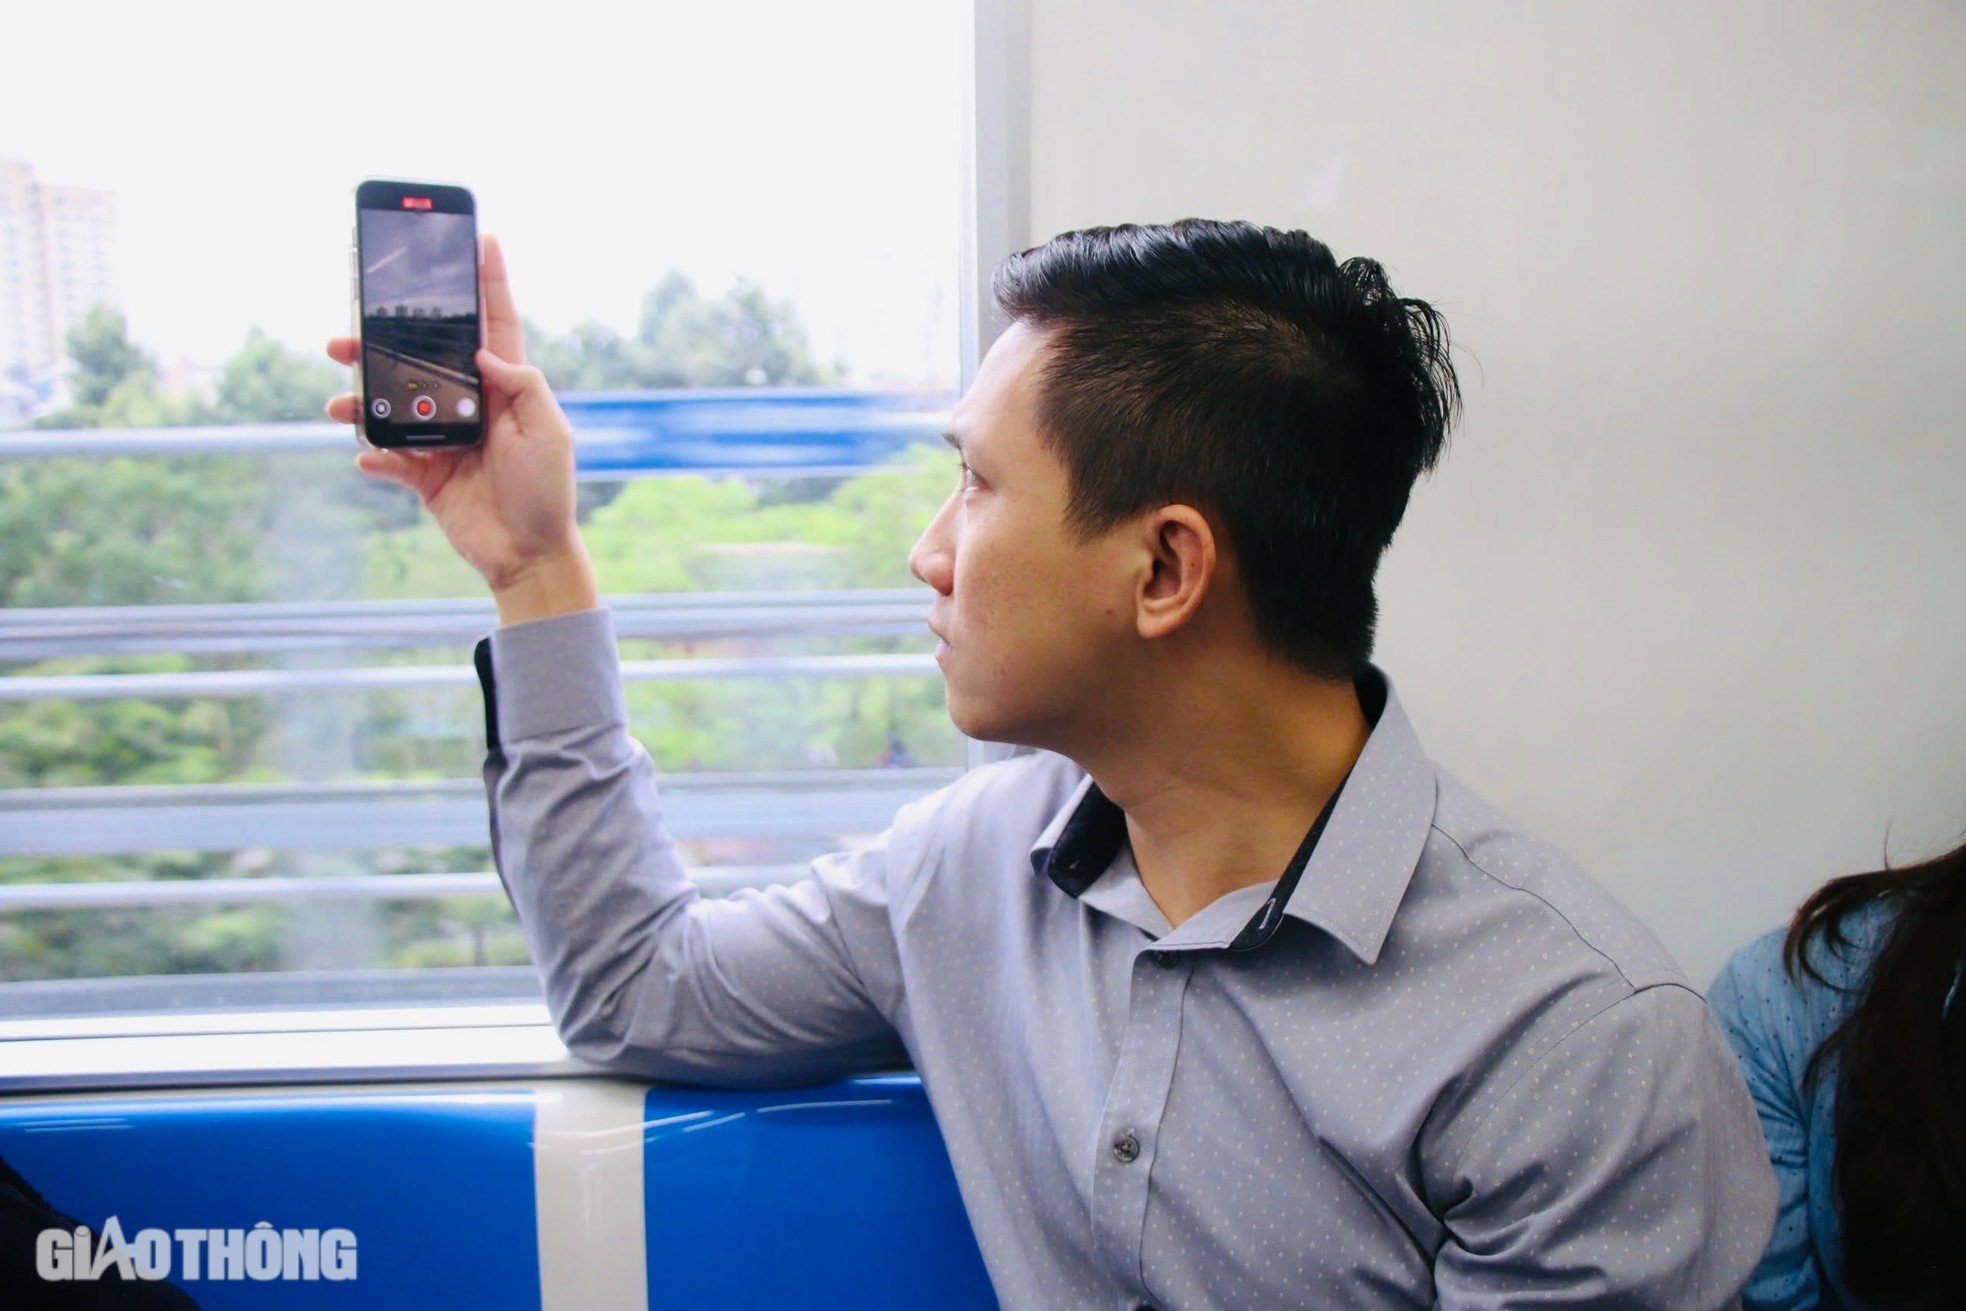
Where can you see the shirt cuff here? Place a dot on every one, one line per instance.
(551, 674)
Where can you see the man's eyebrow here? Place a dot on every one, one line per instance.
(949, 436)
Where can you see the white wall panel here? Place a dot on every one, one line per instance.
(1688, 595)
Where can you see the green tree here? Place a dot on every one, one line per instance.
(673, 534)
(267, 382)
(84, 530)
(78, 530)
(589, 357)
(105, 357)
(115, 384)
(742, 338)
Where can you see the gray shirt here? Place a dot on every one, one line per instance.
(1433, 1063)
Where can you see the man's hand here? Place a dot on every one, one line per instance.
(506, 504)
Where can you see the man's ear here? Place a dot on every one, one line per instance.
(1181, 565)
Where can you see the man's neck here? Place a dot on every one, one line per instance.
(1220, 789)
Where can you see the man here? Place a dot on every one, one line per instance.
(1227, 996)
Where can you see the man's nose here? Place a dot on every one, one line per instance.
(932, 560)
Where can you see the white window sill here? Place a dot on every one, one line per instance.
(369, 1044)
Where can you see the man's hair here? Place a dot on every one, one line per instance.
(1291, 399)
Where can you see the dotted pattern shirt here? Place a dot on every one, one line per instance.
(1451, 1071)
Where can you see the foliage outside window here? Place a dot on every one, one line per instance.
(80, 531)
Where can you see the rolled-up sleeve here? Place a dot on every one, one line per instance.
(1624, 1168)
(782, 985)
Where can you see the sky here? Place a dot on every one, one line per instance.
(813, 149)
(418, 260)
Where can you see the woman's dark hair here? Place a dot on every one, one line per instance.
(1901, 1088)
(1243, 370)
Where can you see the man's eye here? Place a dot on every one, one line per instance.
(968, 475)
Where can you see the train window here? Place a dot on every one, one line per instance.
(240, 734)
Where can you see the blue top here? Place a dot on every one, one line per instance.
(1775, 1024)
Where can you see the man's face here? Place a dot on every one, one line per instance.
(1030, 618)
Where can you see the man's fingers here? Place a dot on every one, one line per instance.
(342, 350)
(504, 335)
(343, 409)
(397, 468)
(524, 389)
(423, 473)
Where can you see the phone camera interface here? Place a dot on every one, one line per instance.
(419, 313)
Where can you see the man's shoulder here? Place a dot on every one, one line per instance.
(1006, 801)
(1543, 895)
(1551, 971)
(951, 847)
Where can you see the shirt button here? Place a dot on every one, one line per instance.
(1167, 960)
(1126, 1147)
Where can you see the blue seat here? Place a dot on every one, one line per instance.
(831, 1196)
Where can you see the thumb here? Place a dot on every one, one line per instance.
(524, 388)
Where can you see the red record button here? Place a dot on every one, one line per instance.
(424, 407)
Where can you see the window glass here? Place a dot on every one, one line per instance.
(240, 738)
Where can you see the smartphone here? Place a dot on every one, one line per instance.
(418, 308)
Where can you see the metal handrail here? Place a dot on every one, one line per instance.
(172, 892)
(713, 880)
(210, 439)
(163, 795)
(751, 432)
(811, 804)
(260, 627)
(259, 682)
(776, 431)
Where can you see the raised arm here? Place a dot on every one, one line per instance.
(787, 984)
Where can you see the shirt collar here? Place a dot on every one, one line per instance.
(1347, 877)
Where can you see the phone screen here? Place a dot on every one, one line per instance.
(417, 255)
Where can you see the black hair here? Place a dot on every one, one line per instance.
(1900, 1155)
(1290, 398)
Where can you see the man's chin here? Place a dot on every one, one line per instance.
(970, 726)
(971, 720)
(978, 723)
